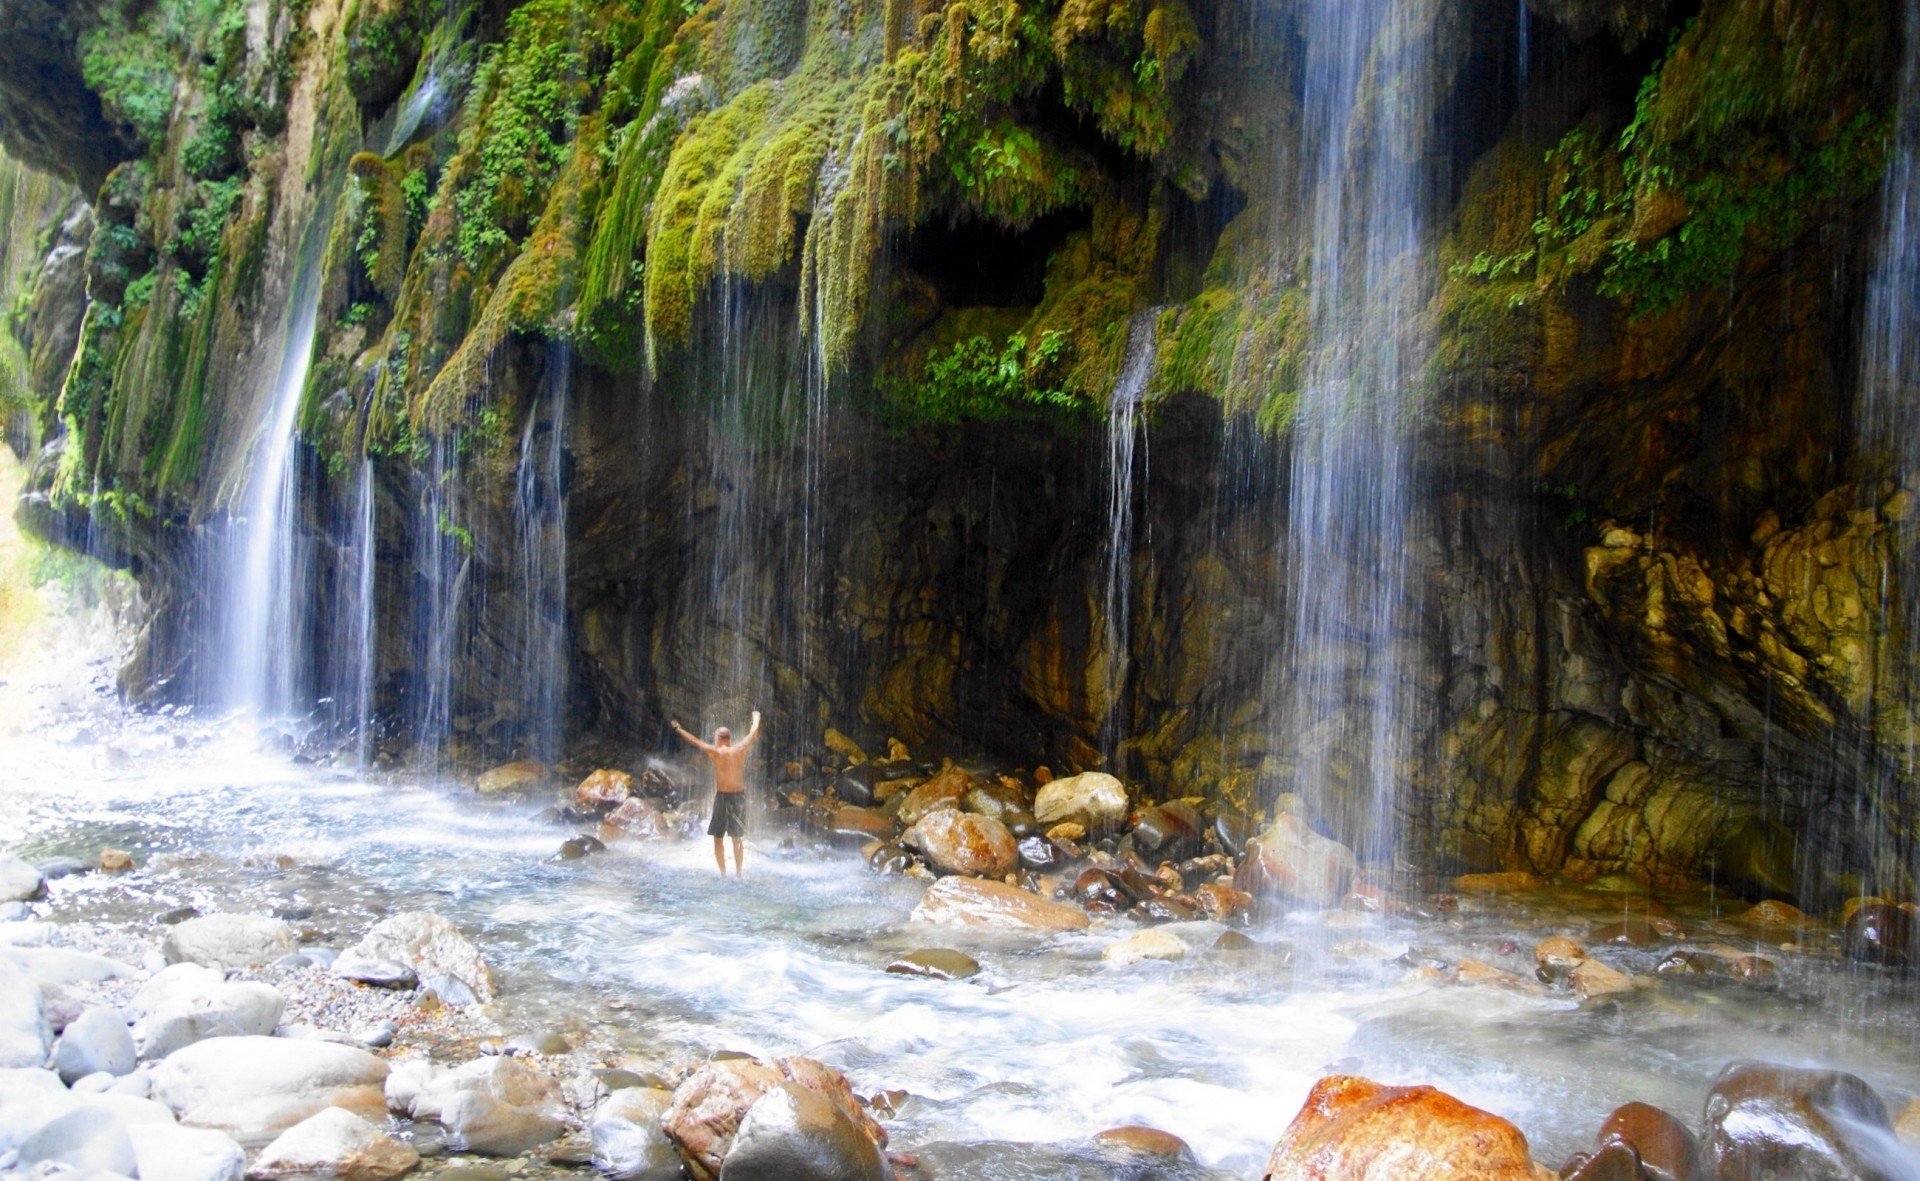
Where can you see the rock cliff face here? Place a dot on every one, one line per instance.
(808, 314)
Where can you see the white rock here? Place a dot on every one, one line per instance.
(84, 1138)
(97, 1083)
(187, 1003)
(95, 1042)
(406, 1081)
(21, 1119)
(18, 880)
(338, 1144)
(1150, 944)
(499, 1078)
(25, 933)
(431, 946)
(477, 1122)
(25, 1034)
(228, 941)
(1095, 798)
(59, 967)
(168, 1152)
(628, 1144)
(254, 1088)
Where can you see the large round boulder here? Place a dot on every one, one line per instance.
(169, 1152)
(25, 1032)
(944, 790)
(337, 1144)
(710, 1104)
(1293, 862)
(1094, 799)
(95, 1041)
(603, 790)
(1354, 1129)
(1765, 1122)
(84, 1138)
(628, 1142)
(187, 1003)
(228, 941)
(433, 948)
(965, 843)
(794, 1134)
(254, 1088)
(18, 880)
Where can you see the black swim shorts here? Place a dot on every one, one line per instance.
(729, 814)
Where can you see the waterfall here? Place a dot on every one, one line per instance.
(1123, 412)
(443, 565)
(1350, 496)
(360, 622)
(1889, 425)
(266, 590)
(540, 529)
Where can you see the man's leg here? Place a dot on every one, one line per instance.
(720, 854)
(739, 858)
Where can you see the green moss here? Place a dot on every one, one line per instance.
(981, 379)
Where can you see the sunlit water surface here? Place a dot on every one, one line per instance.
(647, 951)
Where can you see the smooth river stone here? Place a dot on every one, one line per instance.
(1354, 1129)
(628, 1144)
(96, 1042)
(228, 941)
(941, 963)
(978, 902)
(432, 947)
(254, 1088)
(794, 1134)
(19, 881)
(338, 1144)
(169, 1152)
(1093, 798)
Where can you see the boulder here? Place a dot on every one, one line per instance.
(965, 843)
(938, 962)
(1512, 882)
(254, 1088)
(1766, 1122)
(169, 1152)
(1150, 944)
(25, 1033)
(431, 946)
(1883, 934)
(335, 1143)
(1221, 902)
(710, 1104)
(1093, 799)
(424, 1092)
(84, 1138)
(635, 819)
(96, 1041)
(866, 823)
(603, 790)
(1296, 863)
(1610, 1162)
(478, 1122)
(980, 902)
(1555, 958)
(24, 1115)
(1665, 1148)
(57, 966)
(19, 882)
(511, 778)
(794, 1134)
(1595, 979)
(1906, 1125)
(115, 861)
(944, 790)
(1354, 1129)
(228, 941)
(1134, 1140)
(1174, 829)
(374, 973)
(628, 1143)
(1761, 859)
(187, 1003)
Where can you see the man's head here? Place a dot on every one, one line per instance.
(723, 737)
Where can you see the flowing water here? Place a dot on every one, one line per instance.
(1351, 499)
(1124, 438)
(540, 526)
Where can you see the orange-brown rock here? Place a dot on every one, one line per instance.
(1222, 902)
(981, 902)
(864, 821)
(1517, 882)
(1354, 1129)
(1136, 1140)
(115, 860)
(1773, 913)
(709, 1105)
(634, 819)
(602, 790)
(965, 843)
(942, 791)
(1556, 957)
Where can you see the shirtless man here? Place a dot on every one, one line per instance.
(729, 789)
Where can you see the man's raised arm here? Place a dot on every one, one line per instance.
(753, 732)
(682, 732)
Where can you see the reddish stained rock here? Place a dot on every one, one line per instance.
(1293, 861)
(1354, 1129)
(1667, 1150)
(602, 790)
(635, 818)
(982, 902)
(1222, 902)
(1517, 882)
(1137, 1140)
(708, 1107)
(942, 791)
(965, 843)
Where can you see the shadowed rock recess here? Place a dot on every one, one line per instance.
(677, 359)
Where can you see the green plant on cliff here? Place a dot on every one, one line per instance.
(981, 380)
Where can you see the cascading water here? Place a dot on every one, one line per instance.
(265, 587)
(1123, 438)
(361, 627)
(1889, 424)
(443, 566)
(540, 528)
(1351, 499)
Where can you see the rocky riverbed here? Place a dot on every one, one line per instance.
(256, 961)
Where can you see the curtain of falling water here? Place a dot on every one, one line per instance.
(1350, 496)
(1123, 411)
(361, 628)
(540, 528)
(1889, 421)
(442, 569)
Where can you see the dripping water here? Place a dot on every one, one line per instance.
(361, 628)
(1123, 436)
(540, 528)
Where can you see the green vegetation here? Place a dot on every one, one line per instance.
(979, 380)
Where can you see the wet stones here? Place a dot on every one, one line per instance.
(1354, 1129)
(628, 1143)
(940, 963)
(1882, 934)
(335, 1143)
(1765, 1122)
(792, 1133)
(575, 848)
(477, 1121)
(977, 902)
(965, 843)
(1095, 800)
(115, 861)
(228, 941)
(1556, 957)
(253, 1088)
(603, 791)
(1293, 862)
(433, 948)
(187, 1003)
(19, 882)
(1665, 1149)
(635, 819)
(1150, 944)
(944, 790)
(512, 778)
(1040, 854)
(96, 1041)
(24, 1030)
(709, 1109)
(1174, 829)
